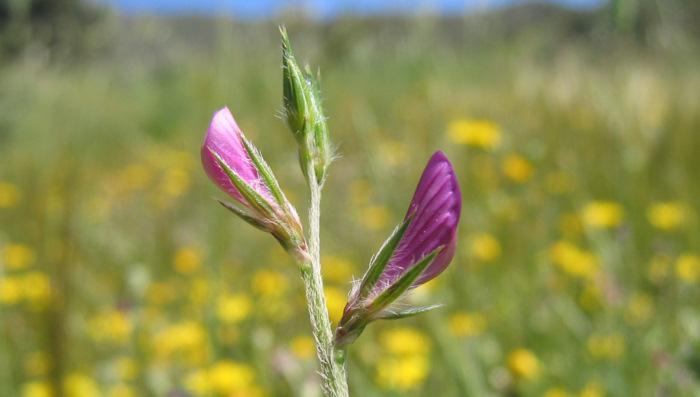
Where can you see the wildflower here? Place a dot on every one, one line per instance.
(9, 195)
(302, 347)
(523, 364)
(467, 324)
(688, 268)
(667, 215)
(17, 256)
(111, 326)
(269, 283)
(402, 373)
(573, 260)
(404, 341)
(337, 269)
(10, 290)
(374, 217)
(602, 214)
(187, 260)
(230, 378)
(237, 167)
(80, 385)
(335, 300)
(417, 251)
(304, 113)
(233, 308)
(482, 134)
(484, 247)
(37, 389)
(517, 168)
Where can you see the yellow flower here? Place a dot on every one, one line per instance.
(80, 385)
(335, 300)
(404, 341)
(188, 338)
(18, 256)
(402, 373)
(610, 347)
(688, 268)
(10, 290)
(517, 168)
(523, 364)
(37, 363)
(336, 269)
(9, 195)
(592, 389)
(112, 326)
(197, 383)
(484, 247)
(37, 389)
(269, 283)
(482, 134)
(573, 260)
(36, 287)
(188, 260)
(229, 377)
(374, 217)
(233, 308)
(556, 392)
(602, 214)
(303, 347)
(467, 324)
(668, 215)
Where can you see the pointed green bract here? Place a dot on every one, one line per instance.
(265, 171)
(381, 259)
(252, 197)
(243, 214)
(395, 315)
(404, 282)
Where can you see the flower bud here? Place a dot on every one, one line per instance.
(417, 251)
(237, 168)
(304, 113)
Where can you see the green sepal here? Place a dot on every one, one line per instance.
(379, 261)
(243, 214)
(265, 171)
(253, 198)
(395, 315)
(404, 282)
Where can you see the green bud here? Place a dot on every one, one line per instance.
(304, 113)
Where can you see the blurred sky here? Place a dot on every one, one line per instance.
(320, 8)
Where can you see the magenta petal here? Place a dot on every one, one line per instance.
(436, 208)
(224, 138)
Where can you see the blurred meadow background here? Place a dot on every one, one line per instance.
(574, 129)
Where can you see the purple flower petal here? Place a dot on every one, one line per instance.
(436, 208)
(224, 138)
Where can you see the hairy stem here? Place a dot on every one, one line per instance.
(333, 376)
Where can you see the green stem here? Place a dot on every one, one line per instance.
(333, 375)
